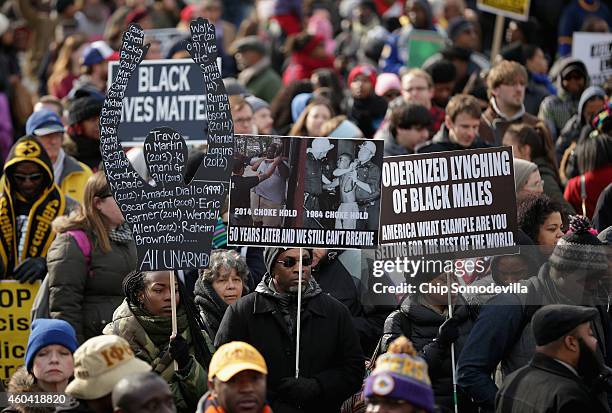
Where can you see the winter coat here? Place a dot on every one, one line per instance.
(261, 80)
(535, 92)
(188, 385)
(551, 185)
(595, 182)
(441, 143)
(74, 177)
(329, 345)
(545, 385)
(502, 333)
(392, 148)
(420, 323)
(602, 218)
(493, 124)
(367, 113)
(368, 310)
(86, 295)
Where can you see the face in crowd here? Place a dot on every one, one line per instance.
(463, 130)
(228, 285)
(316, 117)
(155, 297)
(29, 179)
(53, 366)
(286, 270)
(245, 392)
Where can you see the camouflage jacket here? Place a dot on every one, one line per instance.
(187, 385)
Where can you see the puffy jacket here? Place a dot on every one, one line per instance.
(420, 323)
(86, 296)
(74, 177)
(186, 386)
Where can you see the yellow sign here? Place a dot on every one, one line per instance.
(16, 301)
(514, 9)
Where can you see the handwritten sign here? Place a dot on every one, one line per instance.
(459, 203)
(172, 221)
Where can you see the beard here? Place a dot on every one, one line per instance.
(590, 363)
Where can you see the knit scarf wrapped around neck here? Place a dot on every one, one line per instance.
(159, 328)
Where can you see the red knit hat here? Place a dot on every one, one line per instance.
(365, 70)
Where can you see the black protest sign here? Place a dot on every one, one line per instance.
(163, 93)
(459, 203)
(172, 222)
(305, 192)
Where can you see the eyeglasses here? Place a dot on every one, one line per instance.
(31, 177)
(290, 261)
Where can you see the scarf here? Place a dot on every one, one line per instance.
(211, 405)
(287, 302)
(544, 80)
(122, 234)
(159, 328)
(212, 307)
(49, 205)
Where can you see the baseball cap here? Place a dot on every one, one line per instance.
(100, 363)
(234, 357)
(98, 52)
(44, 122)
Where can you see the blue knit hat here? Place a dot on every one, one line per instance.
(46, 332)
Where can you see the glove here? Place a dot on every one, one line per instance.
(302, 390)
(179, 351)
(448, 332)
(31, 269)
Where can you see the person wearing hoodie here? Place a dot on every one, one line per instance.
(29, 202)
(365, 108)
(144, 321)
(331, 370)
(592, 101)
(423, 317)
(460, 129)
(572, 78)
(535, 144)
(407, 127)
(219, 285)
(506, 88)
(420, 17)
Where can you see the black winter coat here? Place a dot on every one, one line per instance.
(420, 324)
(545, 385)
(329, 346)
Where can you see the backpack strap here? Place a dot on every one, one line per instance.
(84, 245)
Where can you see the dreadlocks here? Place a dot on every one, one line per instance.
(134, 284)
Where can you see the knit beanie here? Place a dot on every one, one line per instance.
(46, 332)
(386, 82)
(84, 108)
(270, 255)
(402, 375)
(522, 170)
(579, 249)
(365, 70)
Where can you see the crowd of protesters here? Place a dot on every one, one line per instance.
(323, 68)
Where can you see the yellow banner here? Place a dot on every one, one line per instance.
(16, 301)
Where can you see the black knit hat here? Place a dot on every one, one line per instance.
(579, 249)
(84, 108)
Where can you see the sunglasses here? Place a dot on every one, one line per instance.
(31, 177)
(290, 261)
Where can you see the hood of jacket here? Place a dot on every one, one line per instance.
(589, 93)
(557, 69)
(27, 149)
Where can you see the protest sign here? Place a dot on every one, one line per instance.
(595, 50)
(162, 93)
(172, 221)
(305, 192)
(459, 203)
(16, 301)
(514, 9)
(423, 44)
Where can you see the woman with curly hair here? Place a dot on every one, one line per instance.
(542, 219)
(219, 285)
